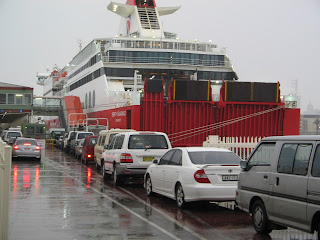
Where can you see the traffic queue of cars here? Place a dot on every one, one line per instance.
(278, 184)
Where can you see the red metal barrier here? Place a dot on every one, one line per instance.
(188, 123)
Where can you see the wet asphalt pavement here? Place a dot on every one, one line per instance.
(60, 198)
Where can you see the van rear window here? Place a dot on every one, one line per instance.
(13, 134)
(147, 142)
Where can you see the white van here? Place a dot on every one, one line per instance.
(104, 138)
(280, 184)
(130, 154)
(9, 134)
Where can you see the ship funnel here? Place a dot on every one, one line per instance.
(140, 18)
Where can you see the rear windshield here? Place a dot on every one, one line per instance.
(23, 141)
(83, 135)
(93, 141)
(13, 134)
(147, 141)
(213, 157)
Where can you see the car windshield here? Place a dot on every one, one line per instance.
(144, 141)
(26, 141)
(13, 134)
(83, 135)
(214, 157)
(93, 141)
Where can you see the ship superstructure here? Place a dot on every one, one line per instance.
(109, 72)
(148, 79)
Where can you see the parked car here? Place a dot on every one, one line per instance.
(26, 147)
(130, 153)
(76, 138)
(279, 184)
(88, 149)
(10, 134)
(104, 139)
(3, 133)
(67, 140)
(78, 148)
(59, 142)
(194, 174)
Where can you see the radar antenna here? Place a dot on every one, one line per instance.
(80, 44)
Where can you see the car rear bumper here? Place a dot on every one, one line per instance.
(209, 192)
(133, 172)
(26, 154)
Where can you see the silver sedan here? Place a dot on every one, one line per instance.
(26, 147)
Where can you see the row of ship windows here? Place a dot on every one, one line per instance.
(156, 57)
(152, 73)
(87, 79)
(167, 55)
(16, 98)
(90, 63)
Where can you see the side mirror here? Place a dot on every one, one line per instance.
(106, 146)
(244, 165)
(155, 161)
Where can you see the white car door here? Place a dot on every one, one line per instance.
(172, 172)
(158, 172)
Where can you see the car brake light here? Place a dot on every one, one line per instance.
(201, 177)
(89, 156)
(126, 158)
(27, 144)
(38, 148)
(16, 147)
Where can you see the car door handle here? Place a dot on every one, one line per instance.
(277, 181)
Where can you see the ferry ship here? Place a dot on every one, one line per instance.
(148, 79)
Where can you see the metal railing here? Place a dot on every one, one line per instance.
(5, 181)
(164, 60)
(240, 146)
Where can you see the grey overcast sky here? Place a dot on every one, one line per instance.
(269, 40)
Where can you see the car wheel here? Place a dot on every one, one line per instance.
(115, 177)
(97, 166)
(180, 196)
(259, 218)
(149, 186)
(104, 174)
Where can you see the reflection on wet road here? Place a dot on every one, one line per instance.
(59, 198)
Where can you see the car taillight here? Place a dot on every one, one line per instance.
(38, 148)
(16, 147)
(89, 156)
(126, 158)
(201, 177)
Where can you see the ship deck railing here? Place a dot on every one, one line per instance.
(163, 60)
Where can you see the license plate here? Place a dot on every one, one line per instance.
(27, 149)
(148, 159)
(229, 177)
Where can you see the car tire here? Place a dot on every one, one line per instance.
(149, 186)
(318, 230)
(259, 218)
(115, 178)
(180, 197)
(97, 166)
(104, 174)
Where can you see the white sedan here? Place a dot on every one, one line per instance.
(194, 174)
